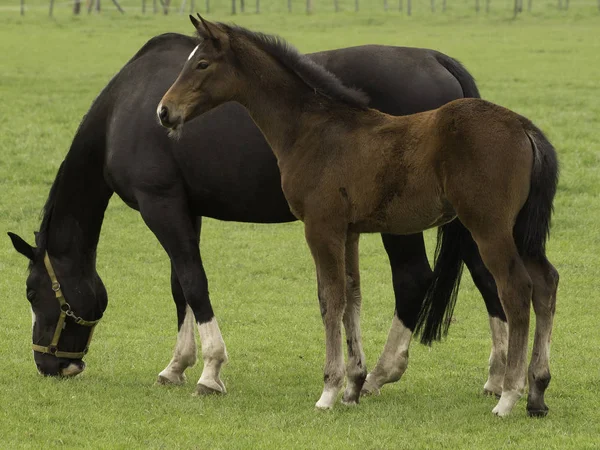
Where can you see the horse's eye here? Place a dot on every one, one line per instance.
(202, 65)
(30, 295)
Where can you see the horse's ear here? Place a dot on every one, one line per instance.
(21, 246)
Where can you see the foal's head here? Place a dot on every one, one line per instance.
(207, 79)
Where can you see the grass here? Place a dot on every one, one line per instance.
(261, 276)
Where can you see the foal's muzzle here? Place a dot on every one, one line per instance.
(167, 117)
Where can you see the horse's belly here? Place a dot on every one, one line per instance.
(407, 215)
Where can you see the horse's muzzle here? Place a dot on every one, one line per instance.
(50, 366)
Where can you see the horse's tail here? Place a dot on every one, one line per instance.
(458, 71)
(438, 306)
(436, 313)
(532, 227)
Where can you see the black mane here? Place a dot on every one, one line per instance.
(46, 214)
(313, 74)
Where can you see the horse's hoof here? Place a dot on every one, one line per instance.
(320, 407)
(215, 389)
(537, 412)
(163, 380)
(491, 393)
(369, 389)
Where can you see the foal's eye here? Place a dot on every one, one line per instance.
(202, 65)
(30, 295)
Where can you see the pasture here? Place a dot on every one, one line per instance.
(261, 277)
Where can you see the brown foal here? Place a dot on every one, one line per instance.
(347, 169)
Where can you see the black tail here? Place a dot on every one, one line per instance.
(438, 306)
(532, 227)
(458, 71)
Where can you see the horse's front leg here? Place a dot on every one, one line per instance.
(185, 353)
(327, 245)
(169, 218)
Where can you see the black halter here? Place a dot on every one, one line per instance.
(65, 310)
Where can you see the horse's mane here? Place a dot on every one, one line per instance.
(46, 214)
(314, 75)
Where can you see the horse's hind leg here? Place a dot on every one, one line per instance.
(484, 281)
(499, 253)
(411, 276)
(356, 369)
(545, 283)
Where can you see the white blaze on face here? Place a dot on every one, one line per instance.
(32, 319)
(193, 52)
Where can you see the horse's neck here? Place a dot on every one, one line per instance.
(81, 198)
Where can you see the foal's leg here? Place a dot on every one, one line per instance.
(168, 217)
(545, 283)
(356, 368)
(327, 246)
(499, 329)
(411, 276)
(500, 255)
(185, 352)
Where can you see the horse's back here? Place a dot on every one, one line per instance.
(399, 80)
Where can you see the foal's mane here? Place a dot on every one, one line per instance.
(314, 75)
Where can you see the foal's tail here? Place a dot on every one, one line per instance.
(532, 227)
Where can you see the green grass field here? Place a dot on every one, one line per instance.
(545, 66)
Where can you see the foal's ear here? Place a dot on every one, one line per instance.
(21, 246)
(194, 21)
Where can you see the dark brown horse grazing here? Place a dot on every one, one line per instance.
(347, 169)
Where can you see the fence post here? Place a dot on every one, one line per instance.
(408, 7)
(242, 6)
(336, 6)
(233, 7)
(432, 6)
(207, 6)
(356, 5)
(257, 6)
(385, 5)
(289, 5)
(22, 7)
(308, 6)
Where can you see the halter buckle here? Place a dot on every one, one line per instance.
(56, 286)
(65, 307)
(52, 349)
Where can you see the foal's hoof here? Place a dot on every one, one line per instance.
(210, 388)
(171, 379)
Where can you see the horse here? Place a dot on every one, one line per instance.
(348, 169)
(221, 168)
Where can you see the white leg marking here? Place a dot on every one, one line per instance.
(214, 354)
(184, 354)
(506, 403)
(393, 360)
(327, 398)
(499, 329)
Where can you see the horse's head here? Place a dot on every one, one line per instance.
(66, 303)
(207, 79)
